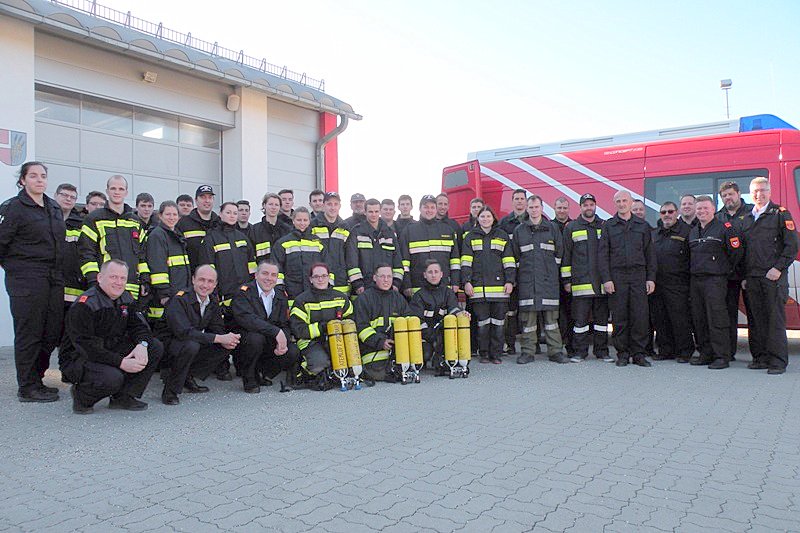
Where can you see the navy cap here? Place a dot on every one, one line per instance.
(587, 196)
(358, 197)
(204, 189)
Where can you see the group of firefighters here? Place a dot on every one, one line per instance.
(123, 293)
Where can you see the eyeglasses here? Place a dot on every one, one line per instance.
(667, 211)
(320, 276)
(68, 196)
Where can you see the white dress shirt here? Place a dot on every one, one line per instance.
(758, 212)
(266, 299)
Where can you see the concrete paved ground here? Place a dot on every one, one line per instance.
(543, 447)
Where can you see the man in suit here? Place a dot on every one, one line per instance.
(261, 312)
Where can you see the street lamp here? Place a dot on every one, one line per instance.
(725, 85)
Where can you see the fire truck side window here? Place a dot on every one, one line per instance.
(671, 188)
(797, 185)
(457, 178)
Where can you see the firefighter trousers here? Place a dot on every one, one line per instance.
(732, 302)
(98, 380)
(257, 356)
(673, 325)
(529, 337)
(710, 315)
(590, 314)
(768, 330)
(37, 308)
(629, 313)
(489, 317)
(190, 358)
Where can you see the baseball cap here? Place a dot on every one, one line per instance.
(587, 196)
(358, 197)
(331, 194)
(204, 189)
(427, 198)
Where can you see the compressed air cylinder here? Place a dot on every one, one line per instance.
(414, 340)
(464, 347)
(351, 344)
(450, 338)
(336, 344)
(401, 341)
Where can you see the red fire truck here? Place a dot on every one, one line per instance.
(654, 166)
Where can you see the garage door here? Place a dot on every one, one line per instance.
(84, 140)
(291, 144)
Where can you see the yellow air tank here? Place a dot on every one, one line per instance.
(415, 340)
(401, 341)
(450, 338)
(351, 344)
(336, 344)
(464, 347)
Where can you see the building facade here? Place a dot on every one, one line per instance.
(91, 94)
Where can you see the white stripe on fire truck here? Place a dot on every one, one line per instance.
(519, 163)
(549, 211)
(567, 162)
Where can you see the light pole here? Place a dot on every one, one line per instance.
(725, 85)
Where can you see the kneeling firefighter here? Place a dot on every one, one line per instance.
(311, 312)
(431, 303)
(375, 312)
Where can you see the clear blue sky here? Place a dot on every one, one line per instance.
(437, 79)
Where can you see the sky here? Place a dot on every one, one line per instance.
(437, 79)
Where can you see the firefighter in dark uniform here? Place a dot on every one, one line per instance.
(333, 234)
(715, 249)
(196, 224)
(442, 214)
(476, 205)
(115, 232)
(167, 259)
(261, 313)
(669, 301)
(74, 282)
(404, 205)
(32, 234)
(431, 303)
(488, 271)
(375, 311)
(538, 245)
(508, 223)
(109, 350)
(310, 314)
(372, 243)
(581, 278)
(734, 211)
(295, 252)
(357, 206)
(230, 252)
(267, 232)
(195, 336)
(627, 264)
(771, 250)
(429, 239)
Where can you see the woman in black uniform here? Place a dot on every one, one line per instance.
(32, 234)
(168, 261)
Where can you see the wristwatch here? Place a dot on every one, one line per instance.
(145, 343)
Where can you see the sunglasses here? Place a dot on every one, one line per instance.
(667, 211)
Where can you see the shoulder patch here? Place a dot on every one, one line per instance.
(735, 242)
(83, 299)
(180, 293)
(728, 225)
(789, 224)
(244, 287)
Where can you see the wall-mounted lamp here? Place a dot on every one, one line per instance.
(150, 77)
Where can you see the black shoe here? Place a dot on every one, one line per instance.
(191, 386)
(77, 407)
(641, 360)
(127, 403)
(225, 376)
(682, 359)
(265, 381)
(37, 395)
(51, 390)
(757, 365)
(622, 361)
(700, 361)
(732, 358)
(323, 383)
(169, 398)
(525, 359)
(510, 350)
(285, 387)
(776, 371)
(718, 364)
(252, 389)
(559, 358)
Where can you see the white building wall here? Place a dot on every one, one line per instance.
(16, 114)
(291, 144)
